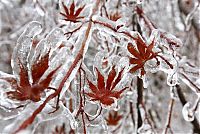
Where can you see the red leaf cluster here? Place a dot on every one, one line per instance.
(70, 13)
(113, 118)
(141, 55)
(24, 90)
(104, 92)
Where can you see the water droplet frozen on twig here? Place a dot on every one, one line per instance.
(188, 113)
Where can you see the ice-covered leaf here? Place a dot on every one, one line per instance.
(23, 46)
(30, 85)
(113, 118)
(71, 14)
(105, 92)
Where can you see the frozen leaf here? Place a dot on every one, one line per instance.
(71, 14)
(34, 28)
(26, 89)
(23, 47)
(141, 55)
(55, 38)
(104, 91)
(113, 118)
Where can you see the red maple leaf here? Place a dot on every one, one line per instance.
(72, 15)
(141, 55)
(104, 92)
(113, 118)
(24, 90)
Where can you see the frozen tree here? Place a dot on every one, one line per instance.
(99, 66)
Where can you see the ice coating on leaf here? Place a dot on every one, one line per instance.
(39, 60)
(21, 52)
(113, 106)
(55, 37)
(167, 39)
(51, 42)
(34, 28)
(188, 113)
(24, 43)
(40, 50)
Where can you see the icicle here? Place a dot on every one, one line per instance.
(131, 96)
(173, 92)
(145, 81)
(172, 79)
(188, 113)
(145, 128)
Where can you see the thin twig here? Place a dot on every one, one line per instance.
(169, 117)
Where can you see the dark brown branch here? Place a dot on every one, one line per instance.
(139, 100)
